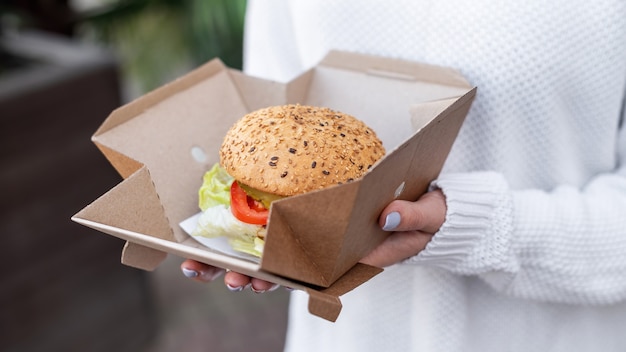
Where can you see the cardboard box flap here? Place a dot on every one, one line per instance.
(318, 236)
(307, 232)
(325, 303)
(425, 153)
(129, 111)
(395, 68)
(371, 89)
(142, 257)
(422, 114)
(167, 135)
(124, 165)
(258, 93)
(131, 205)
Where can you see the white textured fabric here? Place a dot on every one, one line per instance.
(532, 256)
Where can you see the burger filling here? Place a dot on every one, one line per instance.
(233, 210)
(247, 208)
(265, 198)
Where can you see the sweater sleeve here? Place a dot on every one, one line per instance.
(566, 245)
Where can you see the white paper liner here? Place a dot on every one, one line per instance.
(219, 244)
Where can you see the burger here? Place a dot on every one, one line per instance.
(278, 152)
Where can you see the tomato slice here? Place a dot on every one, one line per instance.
(246, 209)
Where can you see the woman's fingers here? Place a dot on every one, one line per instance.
(199, 271)
(238, 282)
(234, 281)
(426, 214)
(262, 286)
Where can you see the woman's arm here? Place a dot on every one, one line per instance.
(567, 245)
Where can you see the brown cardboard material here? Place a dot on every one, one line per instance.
(315, 240)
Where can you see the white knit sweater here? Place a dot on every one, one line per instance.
(532, 256)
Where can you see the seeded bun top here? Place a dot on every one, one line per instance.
(294, 149)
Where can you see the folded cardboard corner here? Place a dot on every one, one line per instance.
(314, 241)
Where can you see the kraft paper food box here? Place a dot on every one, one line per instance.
(163, 142)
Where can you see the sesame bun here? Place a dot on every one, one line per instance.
(294, 149)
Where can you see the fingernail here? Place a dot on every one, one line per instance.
(273, 288)
(257, 291)
(392, 221)
(190, 273)
(237, 288)
(234, 288)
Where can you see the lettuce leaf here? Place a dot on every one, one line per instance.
(218, 221)
(254, 248)
(215, 189)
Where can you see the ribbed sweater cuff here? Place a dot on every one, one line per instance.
(474, 238)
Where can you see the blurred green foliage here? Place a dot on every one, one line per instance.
(158, 40)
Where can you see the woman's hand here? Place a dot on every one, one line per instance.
(412, 225)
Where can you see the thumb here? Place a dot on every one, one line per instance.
(427, 214)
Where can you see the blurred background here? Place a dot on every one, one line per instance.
(64, 66)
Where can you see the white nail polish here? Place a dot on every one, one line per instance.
(274, 287)
(257, 291)
(190, 273)
(392, 221)
(234, 289)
